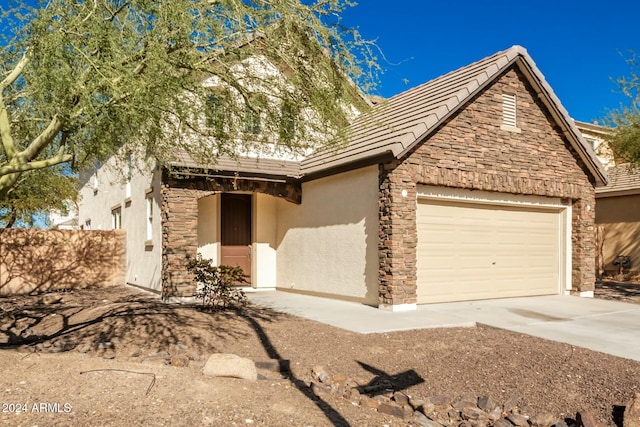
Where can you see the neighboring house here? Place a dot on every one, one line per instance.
(596, 136)
(474, 185)
(68, 220)
(617, 207)
(618, 220)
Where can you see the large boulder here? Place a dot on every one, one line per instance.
(230, 365)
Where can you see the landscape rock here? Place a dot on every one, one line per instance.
(463, 402)
(391, 409)
(502, 423)
(631, 416)
(526, 411)
(368, 402)
(472, 413)
(416, 403)
(319, 389)
(49, 299)
(485, 403)
(354, 396)
(441, 400)
(400, 398)
(495, 414)
(424, 421)
(511, 403)
(320, 373)
(542, 420)
(230, 365)
(518, 420)
(585, 419)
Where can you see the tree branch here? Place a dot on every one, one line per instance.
(5, 131)
(15, 73)
(19, 167)
(44, 139)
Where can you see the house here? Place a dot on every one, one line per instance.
(474, 185)
(595, 136)
(617, 207)
(618, 220)
(64, 220)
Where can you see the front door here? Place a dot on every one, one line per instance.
(235, 230)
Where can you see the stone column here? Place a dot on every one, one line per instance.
(397, 238)
(179, 240)
(583, 244)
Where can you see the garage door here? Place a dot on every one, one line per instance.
(470, 251)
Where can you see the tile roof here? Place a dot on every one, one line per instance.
(405, 120)
(623, 180)
(394, 126)
(247, 165)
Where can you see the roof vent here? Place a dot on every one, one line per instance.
(509, 121)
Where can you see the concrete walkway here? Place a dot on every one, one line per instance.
(606, 326)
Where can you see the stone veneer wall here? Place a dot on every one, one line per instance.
(471, 151)
(180, 222)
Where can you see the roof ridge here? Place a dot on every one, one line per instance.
(516, 49)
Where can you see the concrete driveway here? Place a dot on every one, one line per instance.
(606, 326)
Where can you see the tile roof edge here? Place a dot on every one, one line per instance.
(524, 61)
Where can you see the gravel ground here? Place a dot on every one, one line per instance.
(53, 371)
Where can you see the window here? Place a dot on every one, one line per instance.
(252, 124)
(95, 183)
(593, 142)
(216, 114)
(509, 116)
(287, 121)
(149, 203)
(116, 218)
(127, 186)
(94, 178)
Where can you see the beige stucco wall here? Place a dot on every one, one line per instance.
(329, 243)
(263, 249)
(144, 258)
(35, 261)
(620, 219)
(208, 227)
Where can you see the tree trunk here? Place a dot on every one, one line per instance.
(7, 182)
(12, 219)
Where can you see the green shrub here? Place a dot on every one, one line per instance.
(217, 285)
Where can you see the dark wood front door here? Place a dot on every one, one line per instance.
(235, 229)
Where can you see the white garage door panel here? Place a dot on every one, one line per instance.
(472, 251)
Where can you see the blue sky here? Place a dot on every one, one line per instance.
(580, 46)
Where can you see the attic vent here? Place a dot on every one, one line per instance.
(509, 113)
